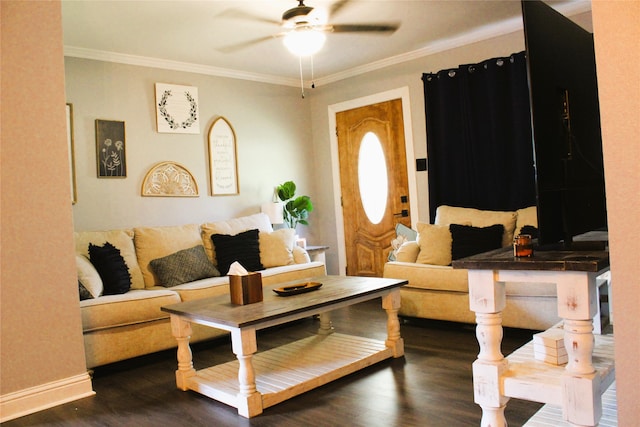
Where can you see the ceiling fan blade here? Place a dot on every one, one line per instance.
(246, 44)
(337, 7)
(364, 28)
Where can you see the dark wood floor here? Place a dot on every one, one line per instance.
(430, 386)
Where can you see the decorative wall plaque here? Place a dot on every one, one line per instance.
(169, 179)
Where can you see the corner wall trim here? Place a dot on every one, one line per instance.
(44, 396)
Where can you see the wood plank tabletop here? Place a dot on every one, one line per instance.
(548, 260)
(335, 289)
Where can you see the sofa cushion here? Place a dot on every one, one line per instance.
(231, 227)
(203, 288)
(157, 242)
(435, 244)
(121, 239)
(243, 248)
(184, 266)
(88, 276)
(276, 248)
(111, 267)
(428, 276)
(138, 306)
(220, 285)
(287, 273)
(447, 215)
(468, 240)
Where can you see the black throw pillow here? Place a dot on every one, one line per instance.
(468, 240)
(530, 230)
(243, 247)
(111, 267)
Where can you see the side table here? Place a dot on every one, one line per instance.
(316, 253)
(577, 387)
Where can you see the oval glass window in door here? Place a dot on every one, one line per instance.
(373, 180)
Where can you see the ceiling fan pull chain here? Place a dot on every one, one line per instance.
(313, 84)
(301, 79)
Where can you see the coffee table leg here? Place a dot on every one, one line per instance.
(244, 346)
(181, 330)
(391, 303)
(326, 327)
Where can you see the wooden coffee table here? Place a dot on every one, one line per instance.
(256, 381)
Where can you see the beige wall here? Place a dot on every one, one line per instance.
(617, 36)
(270, 122)
(41, 330)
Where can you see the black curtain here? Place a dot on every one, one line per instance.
(479, 144)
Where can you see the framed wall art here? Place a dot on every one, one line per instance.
(177, 109)
(72, 157)
(223, 164)
(110, 149)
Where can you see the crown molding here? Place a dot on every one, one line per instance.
(146, 61)
(477, 35)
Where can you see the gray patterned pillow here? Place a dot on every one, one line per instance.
(183, 266)
(84, 293)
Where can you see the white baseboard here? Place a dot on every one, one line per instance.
(34, 399)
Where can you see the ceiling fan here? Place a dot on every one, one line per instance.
(305, 28)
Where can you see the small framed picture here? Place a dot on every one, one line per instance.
(110, 149)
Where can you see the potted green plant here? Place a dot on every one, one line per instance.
(296, 209)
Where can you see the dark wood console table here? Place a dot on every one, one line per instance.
(576, 387)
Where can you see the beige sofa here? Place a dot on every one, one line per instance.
(121, 326)
(437, 291)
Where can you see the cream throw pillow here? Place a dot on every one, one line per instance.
(276, 248)
(300, 255)
(435, 244)
(526, 216)
(88, 276)
(408, 252)
(157, 242)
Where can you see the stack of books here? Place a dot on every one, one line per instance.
(548, 346)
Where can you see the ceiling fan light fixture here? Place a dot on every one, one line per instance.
(304, 41)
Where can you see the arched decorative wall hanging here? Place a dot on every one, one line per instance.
(223, 163)
(169, 179)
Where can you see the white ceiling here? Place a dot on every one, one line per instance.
(193, 35)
